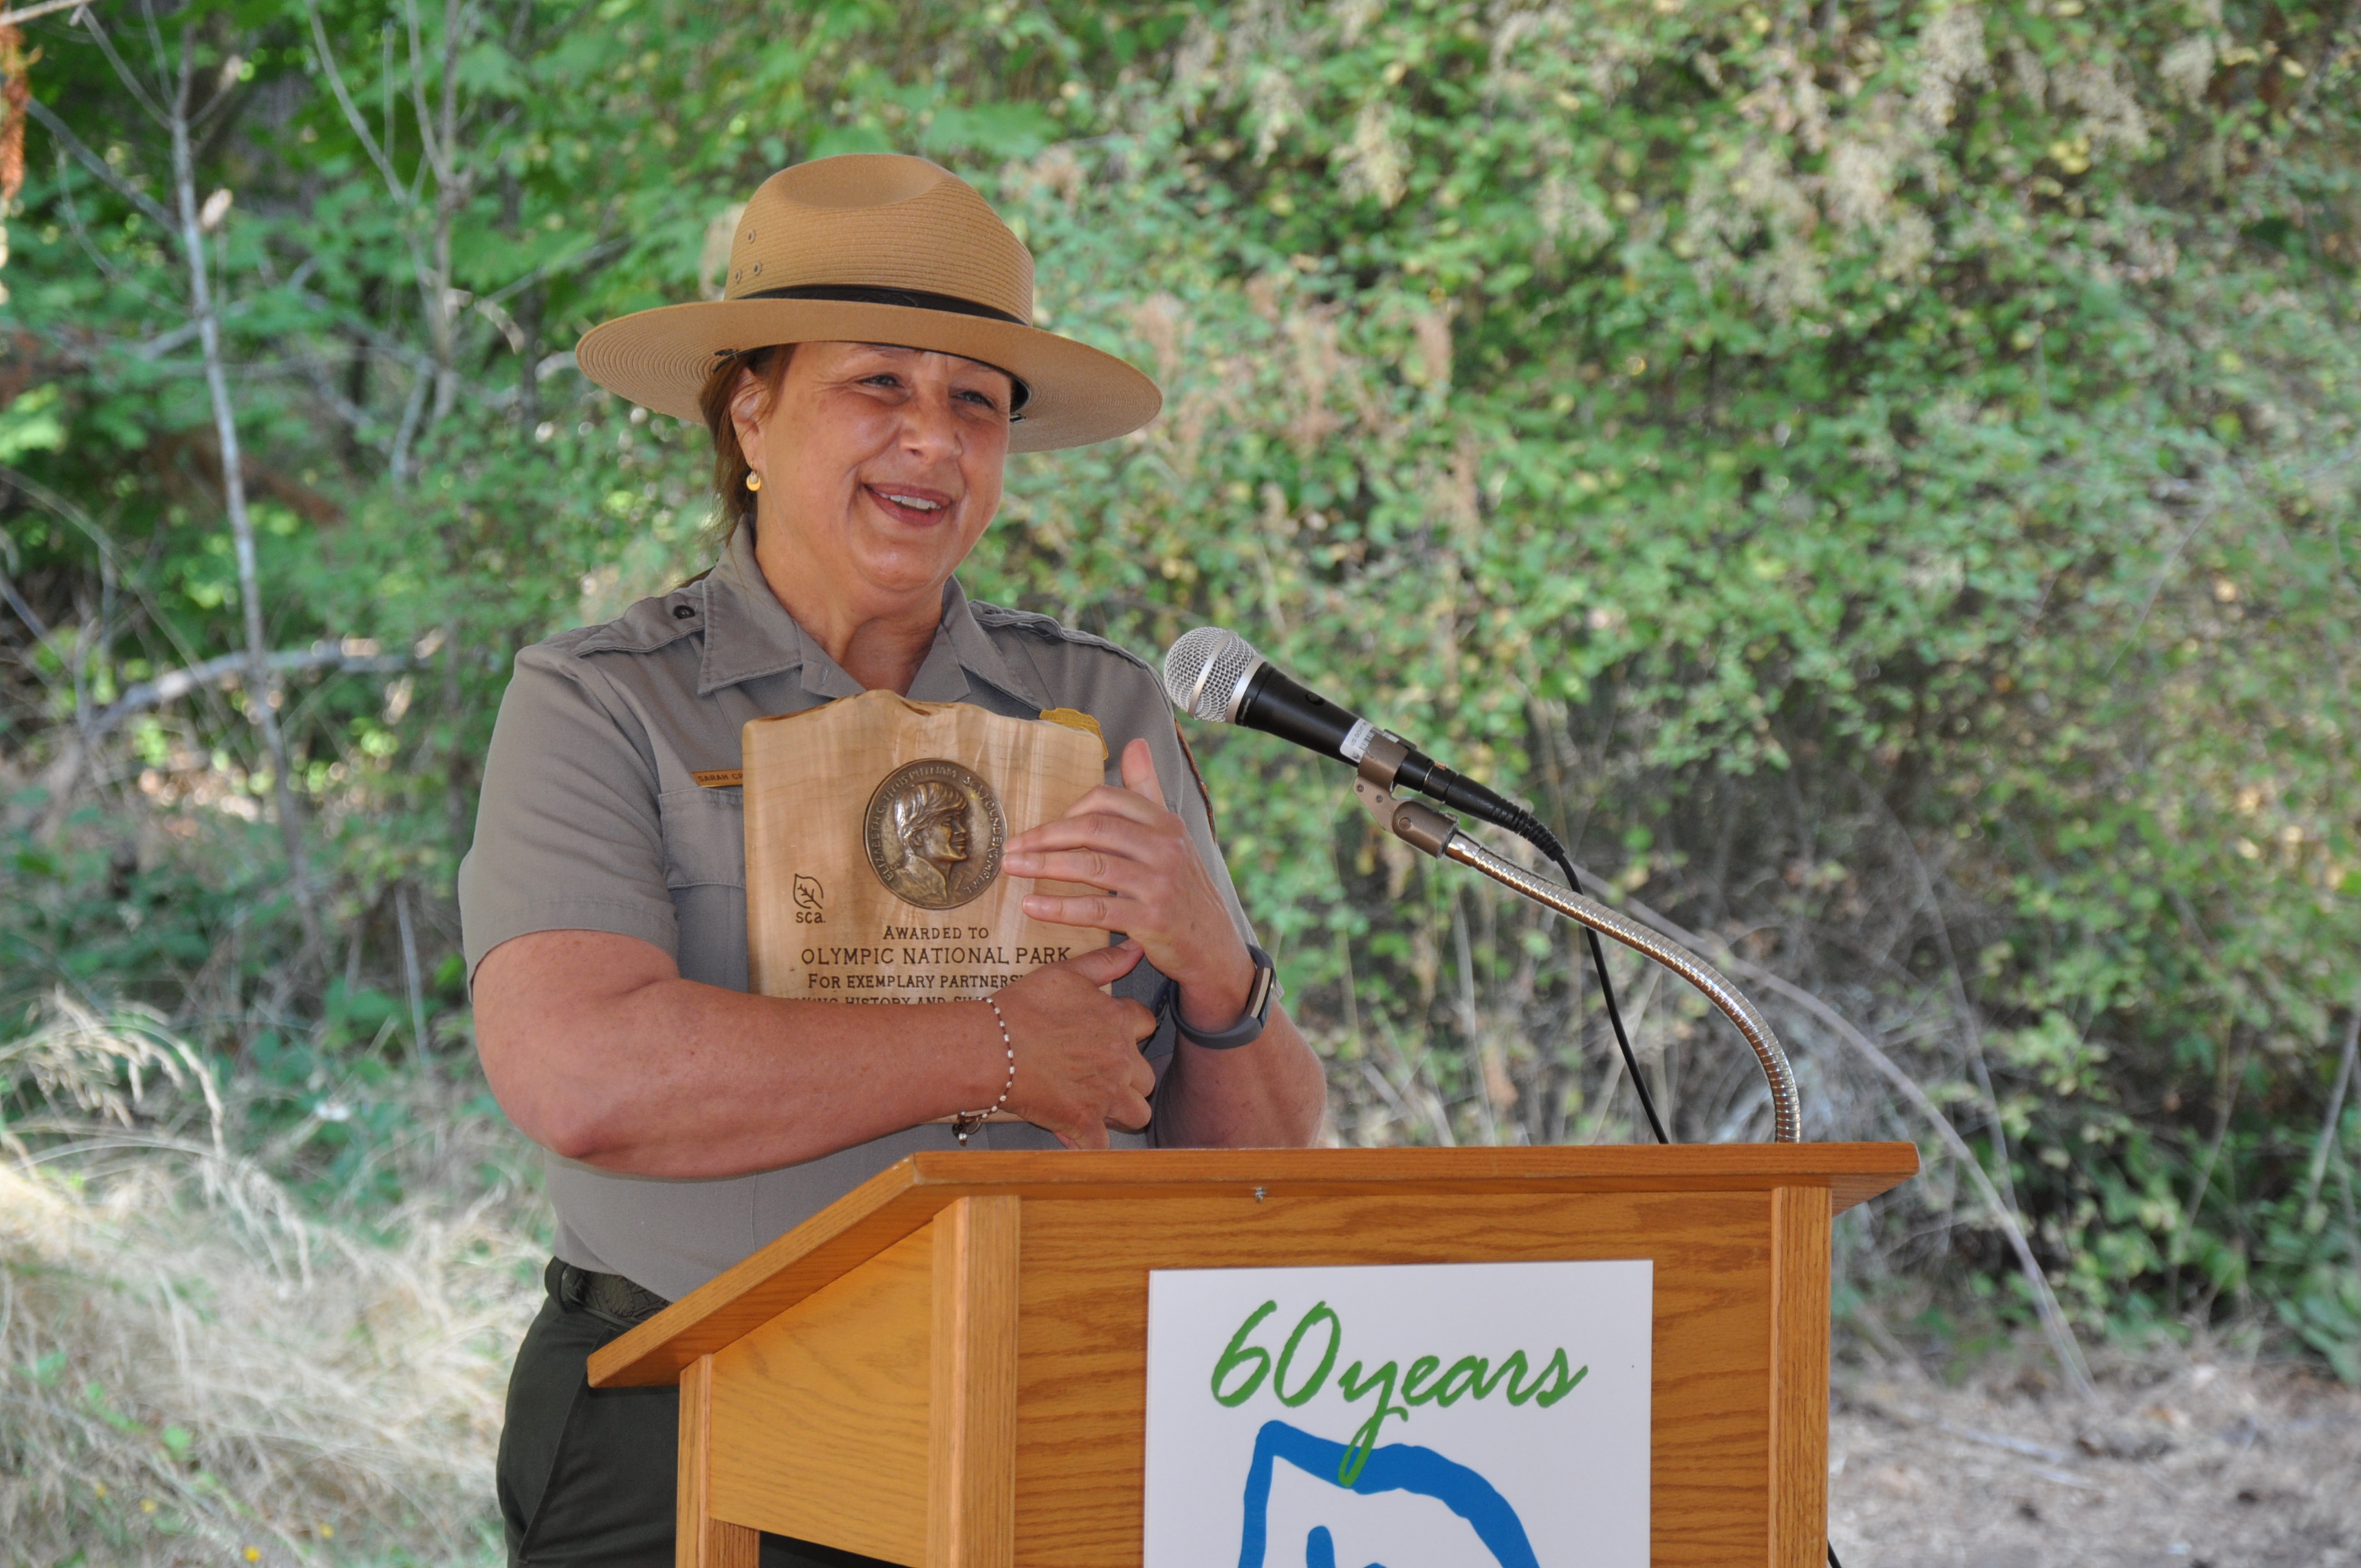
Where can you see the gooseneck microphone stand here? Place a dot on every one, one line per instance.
(1432, 832)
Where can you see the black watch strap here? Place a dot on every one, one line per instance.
(1248, 1028)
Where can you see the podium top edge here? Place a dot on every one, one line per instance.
(899, 1200)
(1074, 1172)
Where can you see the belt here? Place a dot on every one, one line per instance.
(609, 1297)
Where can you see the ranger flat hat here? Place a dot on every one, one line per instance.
(872, 247)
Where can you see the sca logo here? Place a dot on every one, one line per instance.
(810, 898)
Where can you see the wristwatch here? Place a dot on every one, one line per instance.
(1248, 1028)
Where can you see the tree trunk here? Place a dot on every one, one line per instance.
(262, 681)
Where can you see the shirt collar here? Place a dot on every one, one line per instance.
(750, 635)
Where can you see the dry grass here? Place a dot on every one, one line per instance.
(2179, 1462)
(193, 1369)
(196, 1369)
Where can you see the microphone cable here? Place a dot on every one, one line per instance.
(1534, 831)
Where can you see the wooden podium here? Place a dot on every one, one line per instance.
(947, 1368)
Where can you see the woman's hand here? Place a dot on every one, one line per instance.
(1079, 1070)
(1158, 891)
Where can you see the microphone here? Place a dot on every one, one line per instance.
(1214, 674)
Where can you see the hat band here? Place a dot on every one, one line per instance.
(909, 299)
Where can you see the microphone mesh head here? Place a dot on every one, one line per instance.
(1205, 671)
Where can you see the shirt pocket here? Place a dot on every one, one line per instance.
(704, 838)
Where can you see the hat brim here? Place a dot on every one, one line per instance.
(660, 358)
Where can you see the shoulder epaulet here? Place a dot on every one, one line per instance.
(650, 624)
(993, 618)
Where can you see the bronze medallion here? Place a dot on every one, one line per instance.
(934, 831)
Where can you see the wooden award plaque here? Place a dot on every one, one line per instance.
(874, 830)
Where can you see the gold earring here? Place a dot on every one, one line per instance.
(753, 480)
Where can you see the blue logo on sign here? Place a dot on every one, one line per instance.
(1394, 1467)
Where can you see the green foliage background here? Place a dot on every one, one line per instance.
(1878, 476)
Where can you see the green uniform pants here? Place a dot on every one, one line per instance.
(587, 1475)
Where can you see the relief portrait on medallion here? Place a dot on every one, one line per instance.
(934, 832)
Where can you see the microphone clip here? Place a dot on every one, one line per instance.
(1420, 825)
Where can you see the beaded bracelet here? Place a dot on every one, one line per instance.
(968, 1122)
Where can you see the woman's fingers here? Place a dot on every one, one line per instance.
(1104, 965)
(1092, 868)
(1106, 852)
(1104, 829)
(1092, 911)
(1153, 885)
(1139, 774)
(1112, 825)
(1136, 852)
(1079, 1070)
(1126, 819)
(1104, 835)
(1140, 800)
(1131, 1110)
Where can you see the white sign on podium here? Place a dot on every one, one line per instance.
(1477, 1415)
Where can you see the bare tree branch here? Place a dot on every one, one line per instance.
(10, 19)
(383, 342)
(431, 143)
(352, 111)
(1971, 1023)
(2329, 1131)
(598, 251)
(340, 657)
(2064, 1345)
(430, 254)
(24, 612)
(164, 71)
(131, 78)
(111, 557)
(89, 248)
(147, 206)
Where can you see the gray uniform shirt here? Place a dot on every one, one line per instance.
(592, 820)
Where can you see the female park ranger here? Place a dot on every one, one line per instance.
(865, 375)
